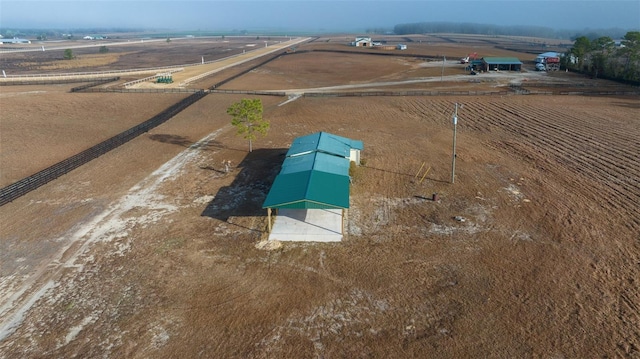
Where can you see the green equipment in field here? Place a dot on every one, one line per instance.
(164, 79)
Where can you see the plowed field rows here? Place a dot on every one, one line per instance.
(600, 154)
(597, 154)
(601, 149)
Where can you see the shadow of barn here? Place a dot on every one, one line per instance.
(245, 195)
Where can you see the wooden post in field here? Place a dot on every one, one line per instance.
(425, 174)
(269, 219)
(416, 176)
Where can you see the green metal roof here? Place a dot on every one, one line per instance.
(307, 190)
(324, 142)
(318, 161)
(502, 60)
(315, 173)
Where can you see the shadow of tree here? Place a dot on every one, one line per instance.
(185, 142)
(245, 195)
(172, 139)
(211, 168)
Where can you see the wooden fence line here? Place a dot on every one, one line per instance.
(28, 184)
(103, 73)
(54, 82)
(597, 93)
(251, 92)
(404, 93)
(93, 84)
(513, 91)
(142, 90)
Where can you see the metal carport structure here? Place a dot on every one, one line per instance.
(310, 205)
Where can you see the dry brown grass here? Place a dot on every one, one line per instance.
(545, 264)
(44, 125)
(79, 61)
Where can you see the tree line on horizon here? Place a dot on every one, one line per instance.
(494, 30)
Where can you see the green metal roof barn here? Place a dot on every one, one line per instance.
(502, 63)
(314, 174)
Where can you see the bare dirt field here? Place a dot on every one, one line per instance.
(152, 250)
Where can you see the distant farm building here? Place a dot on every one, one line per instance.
(14, 40)
(548, 61)
(94, 37)
(311, 192)
(541, 57)
(501, 64)
(362, 42)
(380, 45)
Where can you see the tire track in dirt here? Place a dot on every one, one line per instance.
(103, 227)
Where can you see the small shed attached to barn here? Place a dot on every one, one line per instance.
(311, 192)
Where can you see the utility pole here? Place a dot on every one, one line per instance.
(444, 58)
(453, 160)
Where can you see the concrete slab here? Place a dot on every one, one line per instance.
(307, 225)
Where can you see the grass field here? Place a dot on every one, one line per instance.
(153, 251)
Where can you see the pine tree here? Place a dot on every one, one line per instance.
(247, 117)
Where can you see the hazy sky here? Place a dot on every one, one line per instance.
(314, 15)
